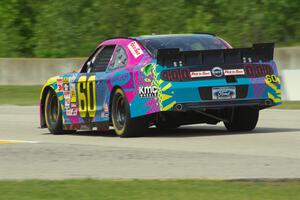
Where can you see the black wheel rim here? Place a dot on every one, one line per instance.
(120, 112)
(54, 109)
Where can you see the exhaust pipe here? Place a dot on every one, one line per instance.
(268, 102)
(178, 107)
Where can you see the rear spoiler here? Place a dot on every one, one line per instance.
(262, 52)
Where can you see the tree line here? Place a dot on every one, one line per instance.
(72, 28)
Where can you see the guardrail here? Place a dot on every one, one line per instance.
(35, 71)
(290, 84)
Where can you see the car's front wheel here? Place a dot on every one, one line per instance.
(53, 115)
(52, 112)
(124, 125)
(242, 119)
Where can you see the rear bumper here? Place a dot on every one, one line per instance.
(259, 103)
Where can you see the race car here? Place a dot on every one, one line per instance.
(132, 83)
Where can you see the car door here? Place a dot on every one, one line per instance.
(91, 85)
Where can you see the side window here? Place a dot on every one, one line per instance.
(101, 59)
(120, 59)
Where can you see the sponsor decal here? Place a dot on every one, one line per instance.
(148, 91)
(67, 103)
(67, 94)
(105, 108)
(73, 78)
(66, 80)
(135, 49)
(73, 92)
(73, 111)
(60, 84)
(105, 112)
(197, 74)
(66, 87)
(229, 72)
(67, 99)
(217, 71)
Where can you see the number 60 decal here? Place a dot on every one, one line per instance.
(272, 78)
(86, 88)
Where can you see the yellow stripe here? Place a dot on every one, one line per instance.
(167, 87)
(273, 86)
(160, 82)
(7, 142)
(165, 97)
(276, 100)
(15, 141)
(60, 98)
(169, 106)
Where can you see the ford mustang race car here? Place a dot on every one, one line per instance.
(163, 80)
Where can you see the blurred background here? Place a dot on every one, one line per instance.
(41, 38)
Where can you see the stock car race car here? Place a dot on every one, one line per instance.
(163, 80)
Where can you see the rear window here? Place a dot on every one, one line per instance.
(183, 42)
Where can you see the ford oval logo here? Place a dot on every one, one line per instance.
(217, 71)
(224, 93)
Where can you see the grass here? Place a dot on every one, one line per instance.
(149, 189)
(289, 105)
(29, 95)
(20, 95)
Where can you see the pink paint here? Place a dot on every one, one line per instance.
(153, 105)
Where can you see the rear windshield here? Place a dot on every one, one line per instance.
(183, 42)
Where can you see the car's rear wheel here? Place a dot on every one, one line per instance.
(243, 119)
(124, 125)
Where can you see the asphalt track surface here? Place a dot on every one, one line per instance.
(198, 151)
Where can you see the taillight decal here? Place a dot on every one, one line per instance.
(176, 75)
(247, 70)
(261, 70)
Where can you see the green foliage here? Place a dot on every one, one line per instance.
(149, 189)
(20, 95)
(68, 28)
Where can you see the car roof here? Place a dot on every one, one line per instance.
(153, 36)
(169, 35)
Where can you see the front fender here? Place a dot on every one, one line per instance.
(50, 84)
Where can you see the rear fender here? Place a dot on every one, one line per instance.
(152, 95)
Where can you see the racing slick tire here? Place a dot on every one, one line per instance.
(124, 125)
(53, 114)
(243, 119)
